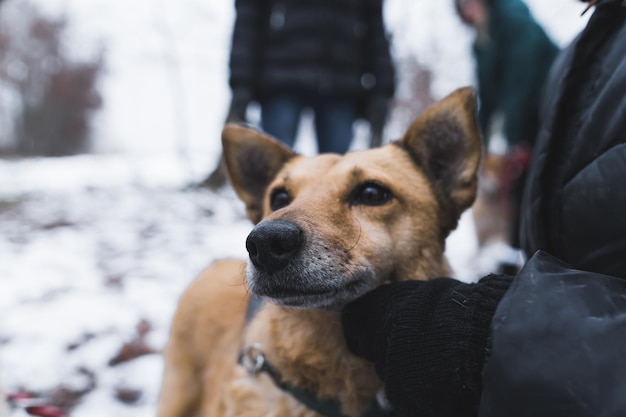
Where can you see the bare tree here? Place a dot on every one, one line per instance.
(53, 95)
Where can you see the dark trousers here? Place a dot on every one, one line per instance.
(333, 118)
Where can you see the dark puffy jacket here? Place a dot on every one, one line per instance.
(557, 345)
(336, 47)
(575, 204)
(559, 332)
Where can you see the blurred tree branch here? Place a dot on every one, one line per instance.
(47, 98)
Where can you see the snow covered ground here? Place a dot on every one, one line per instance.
(95, 250)
(90, 247)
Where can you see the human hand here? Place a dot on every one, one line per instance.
(376, 111)
(427, 340)
(241, 97)
(370, 321)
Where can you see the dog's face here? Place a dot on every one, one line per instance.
(331, 227)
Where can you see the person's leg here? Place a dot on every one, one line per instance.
(280, 116)
(334, 118)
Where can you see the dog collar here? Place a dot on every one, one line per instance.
(253, 360)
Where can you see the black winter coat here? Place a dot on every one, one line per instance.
(559, 333)
(558, 343)
(575, 204)
(328, 47)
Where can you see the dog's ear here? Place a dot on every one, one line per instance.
(252, 161)
(445, 142)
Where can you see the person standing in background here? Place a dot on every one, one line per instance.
(331, 56)
(513, 55)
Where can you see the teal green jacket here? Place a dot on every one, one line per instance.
(511, 65)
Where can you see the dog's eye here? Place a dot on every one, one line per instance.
(370, 194)
(279, 199)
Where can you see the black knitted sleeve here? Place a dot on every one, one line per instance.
(428, 341)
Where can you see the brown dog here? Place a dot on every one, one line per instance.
(330, 228)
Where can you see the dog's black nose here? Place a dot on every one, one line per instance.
(272, 244)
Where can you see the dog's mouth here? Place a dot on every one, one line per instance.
(310, 290)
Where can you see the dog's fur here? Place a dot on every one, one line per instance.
(361, 219)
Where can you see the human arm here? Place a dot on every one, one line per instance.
(427, 340)
(554, 345)
(246, 47)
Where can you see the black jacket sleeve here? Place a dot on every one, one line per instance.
(247, 40)
(558, 345)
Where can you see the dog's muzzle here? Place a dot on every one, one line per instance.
(273, 244)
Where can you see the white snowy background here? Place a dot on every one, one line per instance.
(91, 246)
